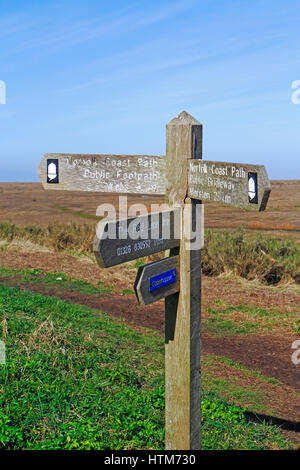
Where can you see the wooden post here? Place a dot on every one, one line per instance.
(183, 309)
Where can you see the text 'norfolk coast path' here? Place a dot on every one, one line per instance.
(235, 184)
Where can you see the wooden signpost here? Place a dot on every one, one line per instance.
(186, 180)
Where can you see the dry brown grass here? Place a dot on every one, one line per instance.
(30, 204)
(261, 225)
(256, 257)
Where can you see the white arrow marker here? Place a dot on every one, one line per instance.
(252, 188)
(52, 171)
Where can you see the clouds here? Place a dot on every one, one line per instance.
(44, 31)
(77, 71)
(10, 25)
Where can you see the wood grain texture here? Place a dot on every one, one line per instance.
(123, 240)
(182, 310)
(147, 271)
(227, 183)
(134, 174)
(183, 132)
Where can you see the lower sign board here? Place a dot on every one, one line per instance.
(119, 241)
(157, 280)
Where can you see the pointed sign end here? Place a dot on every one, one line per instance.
(184, 118)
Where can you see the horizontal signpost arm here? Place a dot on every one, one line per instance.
(157, 280)
(133, 174)
(235, 184)
(123, 240)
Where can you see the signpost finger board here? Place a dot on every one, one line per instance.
(123, 240)
(131, 174)
(236, 184)
(157, 280)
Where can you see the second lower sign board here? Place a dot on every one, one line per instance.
(157, 280)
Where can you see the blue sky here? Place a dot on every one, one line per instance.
(106, 77)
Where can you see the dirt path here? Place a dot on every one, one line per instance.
(229, 291)
(269, 353)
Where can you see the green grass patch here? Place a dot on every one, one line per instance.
(59, 280)
(214, 362)
(248, 319)
(250, 395)
(78, 213)
(76, 379)
(225, 428)
(139, 263)
(219, 326)
(127, 292)
(247, 388)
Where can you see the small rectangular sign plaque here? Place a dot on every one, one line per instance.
(163, 279)
(157, 280)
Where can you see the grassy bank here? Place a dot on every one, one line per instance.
(76, 379)
(71, 380)
(267, 259)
